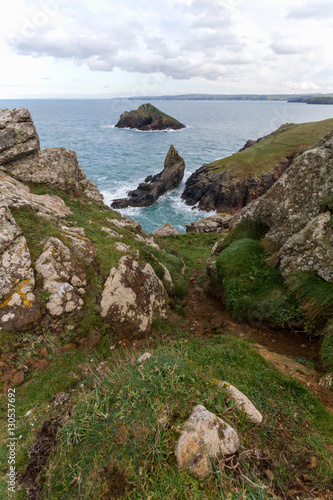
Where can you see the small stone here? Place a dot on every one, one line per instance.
(313, 462)
(4, 366)
(17, 379)
(269, 475)
(40, 365)
(243, 403)
(68, 347)
(17, 345)
(144, 357)
(43, 353)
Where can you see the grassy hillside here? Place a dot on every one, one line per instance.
(288, 140)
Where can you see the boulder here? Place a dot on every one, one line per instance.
(132, 298)
(155, 186)
(213, 224)
(166, 230)
(18, 136)
(147, 117)
(204, 436)
(62, 278)
(19, 309)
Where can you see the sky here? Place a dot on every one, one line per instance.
(104, 48)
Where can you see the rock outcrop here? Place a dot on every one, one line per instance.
(300, 235)
(132, 298)
(166, 230)
(204, 437)
(155, 186)
(21, 157)
(147, 117)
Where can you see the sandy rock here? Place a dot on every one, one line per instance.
(18, 136)
(62, 276)
(121, 247)
(18, 306)
(132, 298)
(166, 230)
(242, 402)
(204, 435)
(14, 194)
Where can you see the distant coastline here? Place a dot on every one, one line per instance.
(305, 98)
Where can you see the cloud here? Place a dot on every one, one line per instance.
(305, 85)
(312, 10)
(179, 40)
(288, 47)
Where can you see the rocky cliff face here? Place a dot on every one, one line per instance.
(155, 186)
(147, 117)
(224, 191)
(298, 212)
(50, 267)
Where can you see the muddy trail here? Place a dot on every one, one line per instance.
(290, 351)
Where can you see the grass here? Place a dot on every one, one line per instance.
(253, 290)
(118, 440)
(288, 140)
(327, 346)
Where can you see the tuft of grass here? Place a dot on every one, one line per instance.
(314, 294)
(253, 290)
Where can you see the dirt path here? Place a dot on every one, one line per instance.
(206, 316)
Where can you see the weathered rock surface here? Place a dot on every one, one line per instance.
(18, 305)
(18, 136)
(20, 156)
(132, 298)
(147, 117)
(226, 191)
(62, 277)
(204, 435)
(242, 402)
(301, 233)
(166, 230)
(155, 186)
(15, 194)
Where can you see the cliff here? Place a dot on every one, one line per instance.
(155, 186)
(227, 185)
(147, 117)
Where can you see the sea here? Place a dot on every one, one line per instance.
(117, 160)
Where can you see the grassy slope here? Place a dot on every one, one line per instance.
(124, 423)
(295, 138)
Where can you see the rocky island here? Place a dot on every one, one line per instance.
(155, 185)
(146, 118)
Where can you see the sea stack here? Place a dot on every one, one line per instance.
(155, 186)
(147, 117)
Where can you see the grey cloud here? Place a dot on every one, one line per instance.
(312, 10)
(287, 48)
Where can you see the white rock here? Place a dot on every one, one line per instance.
(144, 357)
(243, 403)
(204, 435)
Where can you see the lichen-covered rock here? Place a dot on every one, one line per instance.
(204, 435)
(80, 245)
(62, 276)
(155, 186)
(132, 298)
(131, 224)
(18, 305)
(18, 136)
(166, 230)
(15, 194)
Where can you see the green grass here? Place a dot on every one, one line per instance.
(292, 139)
(253, 290)
(327, 346)
(125, 422)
